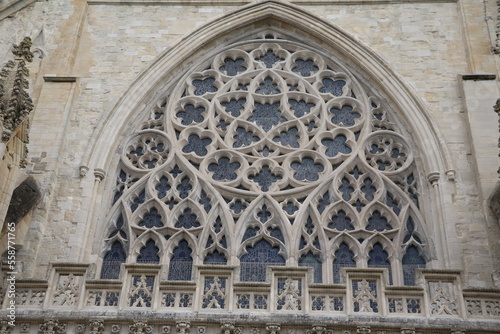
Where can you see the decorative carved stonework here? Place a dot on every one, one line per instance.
(317, 329)
(25, 327)
(227, 328)
(15, 102)
(273, 328)
(492, 308)
(363, 330)
(140, 292)
(443, 302)
(269, 118)
(67, 292)
(289, 296)
(5, 327)
(183, 327)
(115, 328)
(408, 331)
(96, 326)
(496, 47)
(80, 329)
(140, 327)
(215, 294)
(365, 297)
(52, 327)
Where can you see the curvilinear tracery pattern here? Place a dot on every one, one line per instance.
(271, 155)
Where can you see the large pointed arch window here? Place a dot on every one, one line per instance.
(268, 153)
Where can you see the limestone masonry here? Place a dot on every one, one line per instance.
(249, 167)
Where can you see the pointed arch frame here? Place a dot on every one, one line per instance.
(167, 69)
(280, 15)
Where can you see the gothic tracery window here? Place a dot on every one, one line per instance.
(270, 154)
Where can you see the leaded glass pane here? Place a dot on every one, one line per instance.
(254, 263)
(343, 258)
(411, 261)
(112, 261)
(181, 263)
(378, 258)
(149, 253)
(314, 261)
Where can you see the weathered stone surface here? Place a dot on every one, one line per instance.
(103, 70)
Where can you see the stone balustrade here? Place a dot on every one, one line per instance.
(287, 291)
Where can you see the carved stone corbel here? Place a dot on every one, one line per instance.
(316, 329)
(52, 327)
(96, 326)
(183, 327)
(5, 327)
(363, 330)
(408, 331)
(140, 327)
(273, 328)
(227, 328)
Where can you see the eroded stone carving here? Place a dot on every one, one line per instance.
(227, 328)
(493, 308)
(15, 102)
(473, 307)
(183, 327)
(67, 292)
(52, 327)
(273, 328)
(215, 295)
(289, 296)
(408, 331)
(140, 327)
(317, 329)
(80, 329)
(115, 328)
(5, 327)
(363, 330)
(443, 302)
(96, 326)
(25, 327)
(496, 47)
(140, 292)
(365, 297)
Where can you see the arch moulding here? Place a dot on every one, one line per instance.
(288, 19)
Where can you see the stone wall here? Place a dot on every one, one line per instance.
(94, 51)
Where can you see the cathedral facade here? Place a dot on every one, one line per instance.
(249, 167)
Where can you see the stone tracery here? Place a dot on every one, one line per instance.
(276, 147)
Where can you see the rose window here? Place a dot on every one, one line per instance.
(269, 154)
(268, 119)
